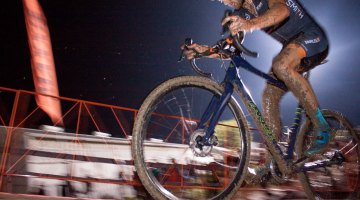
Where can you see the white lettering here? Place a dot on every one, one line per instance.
(295, 8)
(313, 41)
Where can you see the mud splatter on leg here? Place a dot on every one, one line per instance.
(285, 67)
(270, 103)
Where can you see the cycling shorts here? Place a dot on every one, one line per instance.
(315, 44)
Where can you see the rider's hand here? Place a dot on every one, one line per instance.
(190, 51)
(237, 24)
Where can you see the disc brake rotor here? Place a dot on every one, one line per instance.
(196, 145)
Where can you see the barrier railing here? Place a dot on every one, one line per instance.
(27, 129)
(36, 154)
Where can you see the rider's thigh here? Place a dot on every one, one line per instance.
(287, 61)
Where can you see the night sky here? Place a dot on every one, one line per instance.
(116, 51)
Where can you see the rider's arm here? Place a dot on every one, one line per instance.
(278, 12)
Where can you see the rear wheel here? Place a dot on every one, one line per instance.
(335, 181)
(167, 158)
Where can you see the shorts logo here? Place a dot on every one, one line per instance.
(313, 41)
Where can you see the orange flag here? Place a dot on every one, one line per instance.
(42, 61)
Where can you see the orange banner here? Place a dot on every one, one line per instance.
(42, 61)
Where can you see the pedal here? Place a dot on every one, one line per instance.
(338, 158)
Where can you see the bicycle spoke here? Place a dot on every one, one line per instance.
(351, 150)
(175, 163)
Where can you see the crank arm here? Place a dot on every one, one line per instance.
(336, 159)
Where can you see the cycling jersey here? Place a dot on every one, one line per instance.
(299, 27)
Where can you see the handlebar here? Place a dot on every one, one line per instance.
(242, 48)
(228, 47)
(188, 42)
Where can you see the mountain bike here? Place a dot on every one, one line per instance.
(191, 139)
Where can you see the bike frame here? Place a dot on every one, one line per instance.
(233, 81)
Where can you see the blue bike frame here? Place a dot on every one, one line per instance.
(215, 108)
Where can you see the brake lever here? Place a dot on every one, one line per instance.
(188, 42)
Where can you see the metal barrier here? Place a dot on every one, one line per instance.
(36, 155)
(27, 133)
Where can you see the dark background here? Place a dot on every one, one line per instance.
(116, 51)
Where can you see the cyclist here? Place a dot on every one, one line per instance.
(304, 46)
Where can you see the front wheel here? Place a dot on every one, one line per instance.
(167, 158)
(338, 181)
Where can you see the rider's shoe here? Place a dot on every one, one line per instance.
(319, 144)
